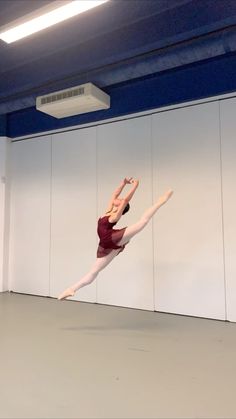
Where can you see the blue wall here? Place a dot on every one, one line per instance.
(201, 80)
(3, 125)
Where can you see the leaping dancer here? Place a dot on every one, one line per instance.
(113, 241)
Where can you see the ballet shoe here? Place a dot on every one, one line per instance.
(67, 293)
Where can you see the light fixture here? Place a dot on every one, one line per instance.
(44, 17)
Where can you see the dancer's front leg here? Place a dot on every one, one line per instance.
(134, 229)
(165, 197)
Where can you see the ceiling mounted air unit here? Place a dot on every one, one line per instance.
(79, 99)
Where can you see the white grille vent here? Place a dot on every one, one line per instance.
(74, 101)
(60, 96)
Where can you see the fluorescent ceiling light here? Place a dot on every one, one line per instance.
(45, 17)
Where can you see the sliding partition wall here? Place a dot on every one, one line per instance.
(182, 262)
(4, 211)
(125, 150)
(73, 210)
(188, 243)
(228, 139)
(30, 210)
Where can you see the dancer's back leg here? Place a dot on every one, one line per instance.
(97, 267)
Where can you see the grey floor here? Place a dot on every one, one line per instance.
(64, 359)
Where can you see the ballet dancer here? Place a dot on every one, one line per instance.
(113, 241)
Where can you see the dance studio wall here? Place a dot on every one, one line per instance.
(2, 203)
(182, 262)
(4, 212)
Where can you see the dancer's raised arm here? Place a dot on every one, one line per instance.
(124, 202)
(135, 183)
(117, 192)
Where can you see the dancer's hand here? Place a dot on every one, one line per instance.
(136, 181)
(128, 180)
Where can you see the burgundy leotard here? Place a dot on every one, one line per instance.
(108, 236)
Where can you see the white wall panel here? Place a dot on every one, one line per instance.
(228, 141)
(5, 285)
(188, 251)
(124, 149)
(74, 211)
(3, 154)
(30, 216)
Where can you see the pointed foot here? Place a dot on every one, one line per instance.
(69, 292)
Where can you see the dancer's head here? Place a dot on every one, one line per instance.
(126, 209)
(116, 204)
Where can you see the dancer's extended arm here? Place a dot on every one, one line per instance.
(124, 202)
(135, 183)
(117, 192)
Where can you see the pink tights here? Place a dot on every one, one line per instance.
(101, 263)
